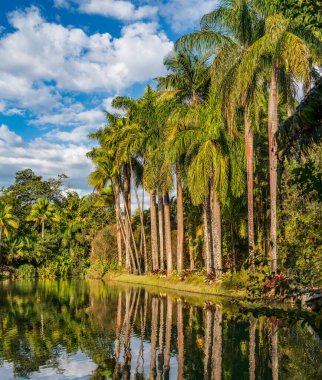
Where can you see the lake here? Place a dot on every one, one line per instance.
(92, 330)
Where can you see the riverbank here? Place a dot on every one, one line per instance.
(192, 284)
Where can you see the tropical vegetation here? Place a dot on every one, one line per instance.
(202, 146)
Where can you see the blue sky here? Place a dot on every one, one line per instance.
(62, 62)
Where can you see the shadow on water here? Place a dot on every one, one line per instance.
(90, 330)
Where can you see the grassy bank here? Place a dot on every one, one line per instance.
(192, 284)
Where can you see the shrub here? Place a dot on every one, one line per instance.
(277, 285)
(49, 270)
(235, 280)
(26, 271)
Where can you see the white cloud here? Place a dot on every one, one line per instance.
(78, 120)
(119, 9)
(11, 138)
(45, 158)
(40, 60)
(184, 15)
(61, 3)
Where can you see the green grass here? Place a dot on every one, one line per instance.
(193, 283)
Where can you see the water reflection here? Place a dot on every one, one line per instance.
(68, 330)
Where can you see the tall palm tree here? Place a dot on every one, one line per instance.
(8, 221)
(227, 32)
(116, 168)
(43, 211)
(137, 138)
(285, 46)
(186, 83)
(201, 138)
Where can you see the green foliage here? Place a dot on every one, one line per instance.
(300, 218)
(67, 222)
(235, 280)
(49, 270)
(103, 256)
(25, 271)
(201, 129)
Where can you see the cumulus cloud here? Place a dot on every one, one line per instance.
(9, 137)
(184, 15)
(40, 60)
(119, 9)
(45, 158)
(122, 10)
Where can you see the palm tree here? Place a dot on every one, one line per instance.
(15, 247)
(206, 169)
(186, 83)
(228, 31)
(99, 179)
(115, 167)
(285, 47)
(142, 139)
(43, 211)
(137, 139)
(8, 221)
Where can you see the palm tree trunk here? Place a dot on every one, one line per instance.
(180, 340)
(217, 235)
(161, 230)
(168, 331)
(136, 267)
(142, 223)
(216, 229)
(42, 228)
(154, 232)
(209, 246)
(127, 202)
(250, 183)
(191, 253)
(180, 227)
(154, 331)
(167, 227)
(118, 224)
(124, 239)
(146, 264)
(272, 128)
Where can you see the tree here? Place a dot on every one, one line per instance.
(14, 246)
(99, 179)
(186, 82)
(43, 211)
(227, 32)
(8, 221)
(285, 47)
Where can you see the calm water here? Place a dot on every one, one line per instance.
(91, 330)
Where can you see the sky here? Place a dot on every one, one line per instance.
(61, 64)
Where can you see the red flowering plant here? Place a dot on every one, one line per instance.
(277, 284)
